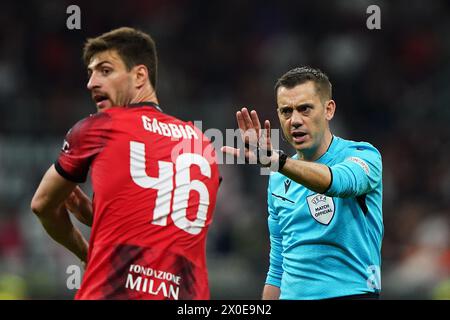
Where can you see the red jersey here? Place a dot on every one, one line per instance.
(155, 180)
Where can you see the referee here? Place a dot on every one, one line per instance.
(324, 202)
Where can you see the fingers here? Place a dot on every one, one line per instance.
(250, 127)
(71, 201)
(247, 119)
(77, 200)
(248, 155)
(268, 134)
(240, 121)
(78, 192)
(71, 197)
(242, 126)
(255, 121)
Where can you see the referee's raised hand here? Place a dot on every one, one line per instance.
(257, 144)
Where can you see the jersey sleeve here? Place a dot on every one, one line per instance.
(358, 174)
(276, 259)
(82, 143)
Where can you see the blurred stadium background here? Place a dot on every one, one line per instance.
(391, 87)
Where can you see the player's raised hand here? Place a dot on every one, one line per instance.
(258, 147)
(79, 204)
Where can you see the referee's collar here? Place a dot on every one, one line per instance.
(330, 150)
(145, 104)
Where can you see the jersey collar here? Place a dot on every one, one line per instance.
(327, 156)
(146, 104)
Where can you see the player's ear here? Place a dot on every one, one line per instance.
(330, 108)
(140, 75)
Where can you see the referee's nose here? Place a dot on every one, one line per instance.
(296, 119)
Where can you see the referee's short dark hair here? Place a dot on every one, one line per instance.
(133, 46)
(300, 75)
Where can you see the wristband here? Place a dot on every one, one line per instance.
(281, 160)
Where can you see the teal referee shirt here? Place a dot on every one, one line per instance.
(328, 245)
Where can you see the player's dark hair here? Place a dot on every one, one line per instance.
(133, 46)
(304, 74)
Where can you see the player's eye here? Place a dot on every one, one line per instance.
(106, 71)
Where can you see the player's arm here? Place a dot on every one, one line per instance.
(48, 205)
(83, 142)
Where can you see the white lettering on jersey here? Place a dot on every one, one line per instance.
(66, 146)
(184, 186)
(169, 129)
(181, 192)
(163, 183)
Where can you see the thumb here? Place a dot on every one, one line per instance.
(230, 150)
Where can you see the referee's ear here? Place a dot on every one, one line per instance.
(140, 75)
(330, 108)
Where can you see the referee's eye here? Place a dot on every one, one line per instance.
(285, 111)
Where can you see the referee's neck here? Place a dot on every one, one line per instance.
(315, 153)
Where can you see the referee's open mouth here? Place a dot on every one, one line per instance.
(299, 136)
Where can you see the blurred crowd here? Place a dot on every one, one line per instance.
(391, 87)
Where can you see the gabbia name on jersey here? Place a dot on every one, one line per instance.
(154, 196)
(169, 129)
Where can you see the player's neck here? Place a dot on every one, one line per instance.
(146, 94)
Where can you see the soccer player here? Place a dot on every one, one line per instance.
(154, 177)
(324, 203)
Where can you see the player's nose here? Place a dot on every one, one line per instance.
(93, 82)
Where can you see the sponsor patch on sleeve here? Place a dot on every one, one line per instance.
(361, 163)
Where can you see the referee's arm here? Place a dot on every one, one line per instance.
(273, 281)
(352, 177)
(271, 292)
(314, 176)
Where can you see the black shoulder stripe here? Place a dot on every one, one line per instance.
(68, 176)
